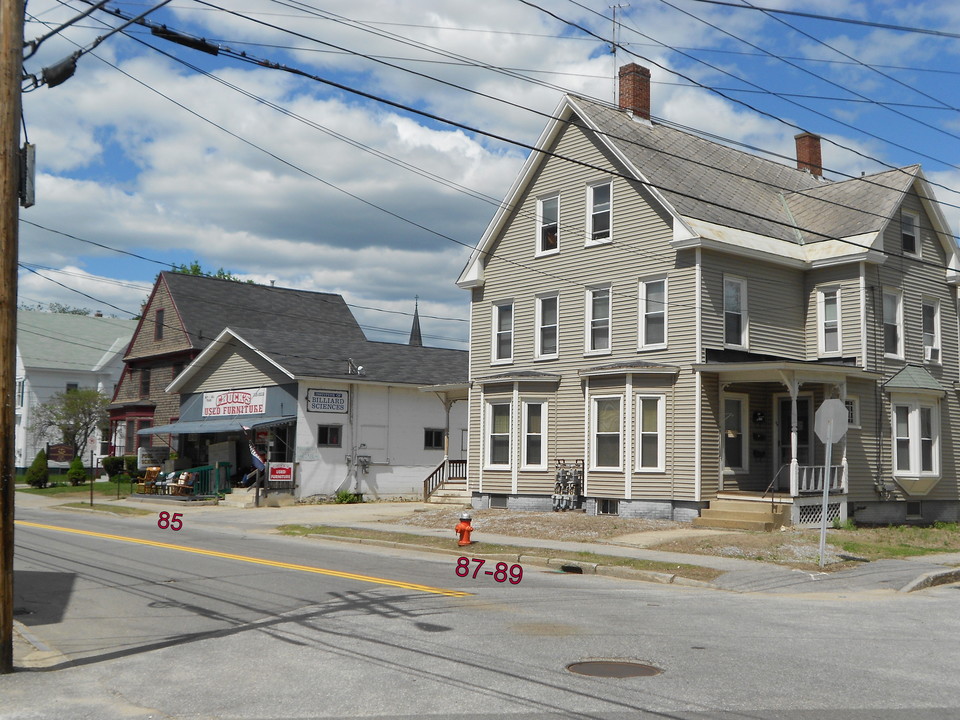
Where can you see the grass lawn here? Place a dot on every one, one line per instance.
(104, 488)
(116, 509)
(693, 572)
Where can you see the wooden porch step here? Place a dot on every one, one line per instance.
(742, 515)
(733, 524)
(448, 495)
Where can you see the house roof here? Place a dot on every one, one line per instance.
(61, 341)
(207, 305)
(914, 378)
(704, 184)
(705, 180)
(322, 354)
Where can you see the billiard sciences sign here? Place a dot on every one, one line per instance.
(227, 403)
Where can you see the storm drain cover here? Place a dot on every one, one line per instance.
(613, 669)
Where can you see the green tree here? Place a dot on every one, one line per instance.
(71, 417)
(195, 268)
(77, 474)
(38, 475)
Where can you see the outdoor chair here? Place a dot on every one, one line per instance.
(148, 483)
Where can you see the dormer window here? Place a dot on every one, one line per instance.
(908, 233)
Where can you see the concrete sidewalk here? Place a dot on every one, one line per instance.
(739, 575)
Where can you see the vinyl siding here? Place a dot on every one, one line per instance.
(847, 279)
(916, 280)
(640, 250)
(233, 368)
(776, 305)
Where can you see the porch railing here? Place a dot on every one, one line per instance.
(446, 470)
(810, 479)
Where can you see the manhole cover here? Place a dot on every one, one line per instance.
(613, 669)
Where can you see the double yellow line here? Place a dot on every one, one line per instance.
(255, 561)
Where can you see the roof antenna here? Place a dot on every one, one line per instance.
(614, 43)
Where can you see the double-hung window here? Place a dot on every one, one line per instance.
(735, 312)
(653, 314)
(908, 233)
(828, 326)
(607, 420)
(534, 435)
(916, 437)
(547, 327)
(548, 225)
(498, 435)
(650, 433)
(892, 324)
(930, 322)
(503, 332)
(599, 209)
(598, 320)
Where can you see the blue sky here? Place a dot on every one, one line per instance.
(280, 178)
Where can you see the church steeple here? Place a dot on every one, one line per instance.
(415, 339)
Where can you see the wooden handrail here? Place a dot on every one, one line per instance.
(434, 480)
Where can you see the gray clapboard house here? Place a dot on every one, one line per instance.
(672, 311)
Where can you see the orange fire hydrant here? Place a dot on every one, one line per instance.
(463, 529)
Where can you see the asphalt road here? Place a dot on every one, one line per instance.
(257, 627)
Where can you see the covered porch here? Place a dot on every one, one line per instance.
(768, 451)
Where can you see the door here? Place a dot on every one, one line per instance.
(804, 429)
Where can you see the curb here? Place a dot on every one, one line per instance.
(931, 579)
(585, 568)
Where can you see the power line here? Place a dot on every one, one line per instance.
(834, 18)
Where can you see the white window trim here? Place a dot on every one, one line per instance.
(822, 318)
(744, 313)
(937, 340)
(589, 241)
(525, 404)
(593, 434)
(883, 319)
(661, 433)
(855, 402)
(588, 318)
(642, 312)
(744, 436)
(538, 350)
(488, 432)
(494, 330)
(540, 252)
(913, 422)
(916, 232)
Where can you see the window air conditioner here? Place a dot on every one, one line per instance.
(931, 354)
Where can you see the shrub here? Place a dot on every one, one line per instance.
(77, 474)
(345, 496)
(130, 463)
(112, 466)
(38, 475)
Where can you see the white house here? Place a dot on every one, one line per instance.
(57, 352)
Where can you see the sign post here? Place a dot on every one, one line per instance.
(830, 424)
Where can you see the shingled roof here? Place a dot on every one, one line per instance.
(62, 341)
(708, 181)
(208, 305)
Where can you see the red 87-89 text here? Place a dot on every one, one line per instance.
(500, 574)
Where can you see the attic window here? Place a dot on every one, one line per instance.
(158, 326)
(908, 233)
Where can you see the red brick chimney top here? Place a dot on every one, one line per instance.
(635, 90)
(808, 154)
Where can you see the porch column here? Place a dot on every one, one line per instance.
(842, 391)
(793, 386)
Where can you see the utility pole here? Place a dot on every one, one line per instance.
(11, 68)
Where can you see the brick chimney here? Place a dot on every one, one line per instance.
(808, 154)
(635, 90)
